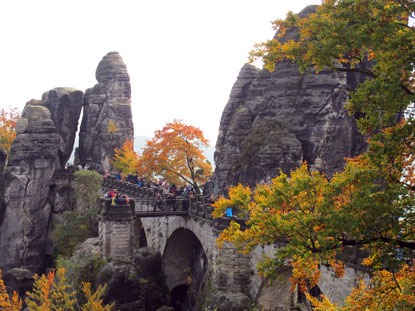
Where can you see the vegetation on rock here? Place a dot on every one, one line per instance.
(368, 205)
(73, 230)
(86, 185)
(112, 128)
(260, 136)
(52, 292)
(7, 125)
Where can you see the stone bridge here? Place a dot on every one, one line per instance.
(187, 242)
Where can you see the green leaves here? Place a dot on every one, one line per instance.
(86, 185)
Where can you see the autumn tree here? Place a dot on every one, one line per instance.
(175, 153)
(8, 120)
(52, 292)
(125, 159)
(368, 205)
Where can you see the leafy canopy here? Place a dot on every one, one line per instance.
(175, 153)
(371, 203)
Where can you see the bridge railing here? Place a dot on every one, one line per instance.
(145, 200)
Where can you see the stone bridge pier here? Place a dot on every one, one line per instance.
(119, 230)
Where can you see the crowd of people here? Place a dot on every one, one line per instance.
(118, 198)
(167, 195)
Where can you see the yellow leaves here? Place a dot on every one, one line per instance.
(338, 267)
(112, 128)
(125, 159)
(387, 291)
(318, 228)
(321, 303)
(52, 293)
(305, 272)
(94, 300)
(371, 55)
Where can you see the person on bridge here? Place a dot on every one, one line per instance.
(159, 202)
(171, 202)
(111, 193)
(185, 200)
(121, 199)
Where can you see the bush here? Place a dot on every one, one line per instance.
(74, 230)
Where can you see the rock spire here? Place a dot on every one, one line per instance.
(107, 119)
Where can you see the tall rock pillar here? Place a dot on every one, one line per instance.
(33, 197)
(107, 120)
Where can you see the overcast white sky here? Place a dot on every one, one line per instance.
(182, 56)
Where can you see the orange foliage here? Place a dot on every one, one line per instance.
(175, 153)
(7, 304)
(7, 124)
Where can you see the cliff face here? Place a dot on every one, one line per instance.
(107, 105)
(45, 135)
(275, 121)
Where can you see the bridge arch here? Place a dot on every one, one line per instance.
(185, 266)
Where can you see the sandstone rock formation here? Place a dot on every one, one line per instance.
(3, 159)
(65, 106)
(225, 301)
(275, 121)
(19, 280)
(34, 190)
(138, 286)
(107, 119)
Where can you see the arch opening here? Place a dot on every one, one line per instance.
(185, 266)
(140, 237)
(178, 297)
(143, 237)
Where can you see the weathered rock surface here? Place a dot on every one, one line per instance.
(32, 162)
(107, 105)
(135, 287)
(227, 301)
(3, 159)
(277, 120)
(148, 260)
(19, 280)
(65, 106)
(36, 189)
